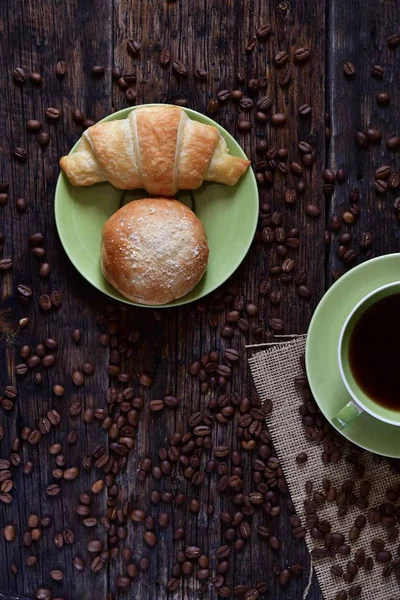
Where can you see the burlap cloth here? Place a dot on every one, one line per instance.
(274, 371)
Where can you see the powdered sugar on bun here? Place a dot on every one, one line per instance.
(154, 250)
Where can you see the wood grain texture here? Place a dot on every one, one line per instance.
(200, 34)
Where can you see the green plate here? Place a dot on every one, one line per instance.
(322, 357)
(229, 215)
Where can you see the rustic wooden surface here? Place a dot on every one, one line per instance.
(213, 36)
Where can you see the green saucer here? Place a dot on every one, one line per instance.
(229, 215)
(322, 356)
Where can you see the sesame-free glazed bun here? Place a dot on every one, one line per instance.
(154, 250)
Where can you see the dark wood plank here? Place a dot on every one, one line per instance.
(353, 107)
(35, 39)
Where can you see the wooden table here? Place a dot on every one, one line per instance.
(212, 35)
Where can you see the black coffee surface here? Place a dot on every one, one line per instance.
(374, 352)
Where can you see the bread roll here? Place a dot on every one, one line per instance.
(158, 148)
(154, 250)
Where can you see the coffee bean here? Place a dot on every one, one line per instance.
(53, 489)
(95, 546)
(53, 114)
(36, 78)
(251, 45)
(308, 161)
(116, 73)
(19, 75)
(355, 591)
(305, 147)
(264, 31)
(78, 116)
(264, 103)
(261, 146)
(281, 58)
(97, 71)
(276, 324)
(212, 107)
(393, 41)
(133, 47)
(377, 71)
(5, 264)
(31, 561)
(318, 552)
(383, 172)
(393, 143)
(3, 199)
(43, 138)
(252, 594)
(343, 549)
(236, 95)
(284, 577)
(43, 593)
(394, 181)
(246, 103)
(61, 68)
(312, 210)
(301, 54)
(301, 458)
(336, 570)
(122, 84)
(20, 153)
(192, 552)
(32, 126)
(349, 69)
(285, 78)
(341, 175)
(240, 75)
(9, 533)
(381, 187)
(374, 135)
(383, 556)
(130, 95)
(223, 95)
(274, 542)
(278, 119)
(383, 98)
(56, 575)
(165, 58)
(179, 68)
(261, 117)
(150, 538)
(361, 139)
(304, 110)
(245, 530)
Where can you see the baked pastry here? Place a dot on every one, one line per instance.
(158, 148)
(154, 250)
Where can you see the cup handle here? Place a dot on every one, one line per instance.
(347, 415)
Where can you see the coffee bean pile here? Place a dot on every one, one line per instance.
(352, 493)
(191, 452)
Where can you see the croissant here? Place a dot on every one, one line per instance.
(158, 148)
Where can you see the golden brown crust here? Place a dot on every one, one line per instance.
(225, 168)
(157, 134)
(113, 147)
(81, 167)
(154, 250)
(158, 148)
(199, 142)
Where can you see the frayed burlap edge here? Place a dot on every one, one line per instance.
(274, 371)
